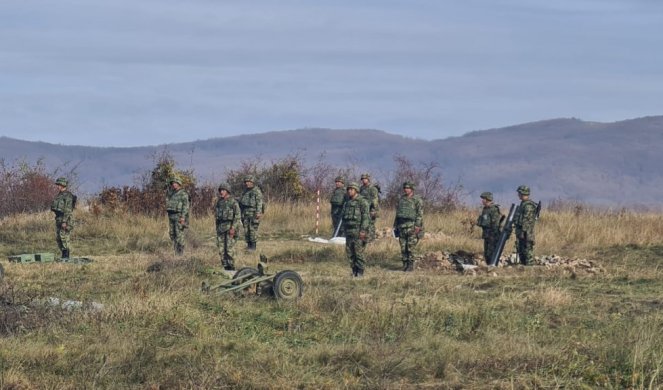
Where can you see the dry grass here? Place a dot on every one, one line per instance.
(523, 328)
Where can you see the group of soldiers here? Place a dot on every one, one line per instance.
(354, 212)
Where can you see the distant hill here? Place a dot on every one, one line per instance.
(601, 163)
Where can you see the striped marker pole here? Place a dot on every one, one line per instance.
(317, 213)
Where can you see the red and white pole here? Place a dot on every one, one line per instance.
(317, 213)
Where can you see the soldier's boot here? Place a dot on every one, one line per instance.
(354, 270)
(65, 253)
(359, 273)
(252, 246)
(179, 249)
(405, 266)
(229, 265)
(410, 266)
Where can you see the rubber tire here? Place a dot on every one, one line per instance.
(288, 285)
(243, 272)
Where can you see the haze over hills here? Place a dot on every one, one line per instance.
(611, 164)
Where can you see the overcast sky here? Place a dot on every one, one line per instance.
(146, 72)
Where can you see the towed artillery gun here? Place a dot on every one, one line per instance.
(285, 285)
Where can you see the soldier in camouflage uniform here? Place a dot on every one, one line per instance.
(63, 207)
(409, 225)
(371, 194)
(524, 221)
(177, 206)
(355, 223)
(251, 204)
(338, 199)
(489, 221)
(228, 219)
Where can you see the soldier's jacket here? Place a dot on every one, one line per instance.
(177, 204)
(525, 219)
(251, 202)
(370, 193)
(409, 213)
(339, 196)
(489, 220)
(63, 207)
(355, 215)
(227, 214)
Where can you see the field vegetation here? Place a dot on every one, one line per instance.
(517, 327)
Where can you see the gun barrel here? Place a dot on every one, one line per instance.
(504, 236)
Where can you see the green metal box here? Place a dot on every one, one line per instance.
(24, 258)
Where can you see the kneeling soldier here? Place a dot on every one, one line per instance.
(409, 225)
(228, 218)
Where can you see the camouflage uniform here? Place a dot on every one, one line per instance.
(489, 221)
(409, 226)
(524, 221)
(338, 198)
(356, 221)
(228, 216)
(372, 196)
(177, 206)
(251, 204)
(63, 208)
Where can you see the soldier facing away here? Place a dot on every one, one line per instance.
(524, 221)
(489, 221)
(372, 196)
(228, 219)
(337, 200)
(251, 204)
(177, 206)
(356, 222)
(409, 225)
(63, 207)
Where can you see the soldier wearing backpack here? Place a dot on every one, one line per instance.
(63, 207)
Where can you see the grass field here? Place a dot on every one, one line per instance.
(517, 328)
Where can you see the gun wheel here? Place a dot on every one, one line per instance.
(288, 285)
(244, 275)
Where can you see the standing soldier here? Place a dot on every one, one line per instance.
(251, 204)
(177, 206)
(524, 221)
(228, 218)
(338, 198)
(489, 221)
(371, 194)
(63, 206)
(355, 223)
(409, 225)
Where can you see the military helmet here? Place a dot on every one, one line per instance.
(224, 186)
(340, 178)
(250, 178)
(408, 184)
(487, 196)
(175, 179)
(353, 185)
(523, 190)
(62, 181)
(365, 176)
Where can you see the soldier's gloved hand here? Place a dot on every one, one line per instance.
(64, 225)
(362, 236)
(181, 221)
(258, 216)
(231, 232)
(373, 214)
(417, 229)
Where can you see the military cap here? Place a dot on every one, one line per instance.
(340, 178)
(224, 186)
(523, 190)
(250, 178)
(365, 176)
(353, 185)
(487, 196)
(408, 184)
(62, 181)
(175, 179)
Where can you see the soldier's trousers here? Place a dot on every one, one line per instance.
(371, 228)
(250, 229)
(63, 236)
(525, 251)
(489, 248)
(176, 232)
(408, 242)
(354, 251)
(226, 245)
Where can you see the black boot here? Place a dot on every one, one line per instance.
(252, 246)
(179, 250)
(360, 273)
(65, 253)
(405, 266)
(410, 266)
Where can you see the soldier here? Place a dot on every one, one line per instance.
(355, 223)
(228, 218)
(409, 225)
(177, 206)
(489, 221)
(371, 194)
(63, 206)
(524, 221)
(338, 199)
(251, 204)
